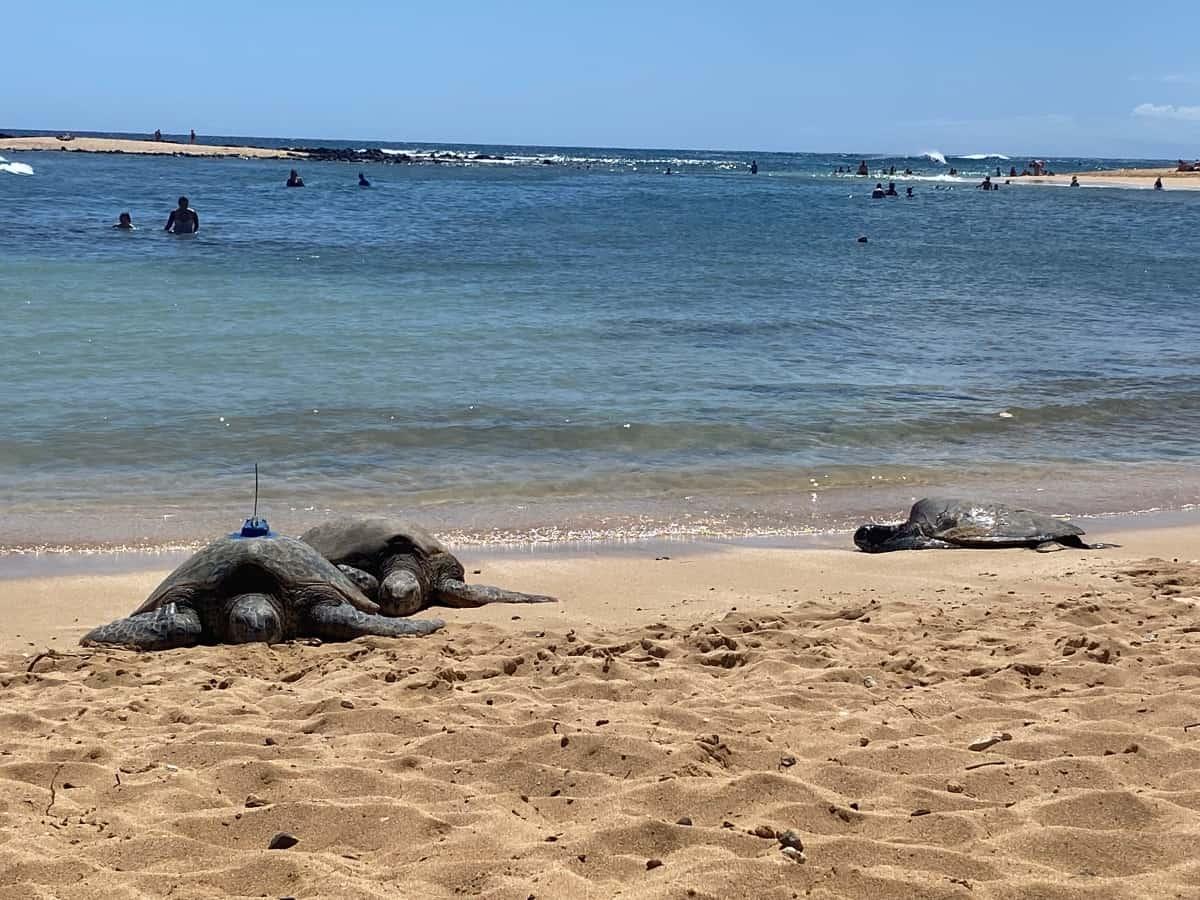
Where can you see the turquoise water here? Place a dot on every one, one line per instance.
(588, 348)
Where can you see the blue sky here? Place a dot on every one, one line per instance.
(1071, 78)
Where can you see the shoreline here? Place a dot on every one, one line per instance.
(80, 561)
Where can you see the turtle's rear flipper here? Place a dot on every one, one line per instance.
(342, 622)
(460, 595)
(1073, 541)
(165, 628)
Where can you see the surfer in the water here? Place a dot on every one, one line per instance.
(125, 222)
(294, 179)
(183, 219)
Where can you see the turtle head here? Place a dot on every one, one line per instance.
(255, 618)
(874, 538)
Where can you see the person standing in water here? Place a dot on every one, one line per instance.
(192, 137)
(754, 167)
(183, 219)
(294, 179)
(125, 222)
(362, 180)
(1158, 184)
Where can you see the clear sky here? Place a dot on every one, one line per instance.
(1095, 79)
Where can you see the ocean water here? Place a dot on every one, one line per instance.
(516, 350)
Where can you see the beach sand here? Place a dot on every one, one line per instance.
(1117, 178)
(152, 148)
(553, 751)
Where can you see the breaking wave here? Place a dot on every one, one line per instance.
(15, 168)
(978, 156)
(935, 156)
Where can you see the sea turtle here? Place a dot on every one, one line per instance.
(260, 588)
(402, 566)
(938, 522)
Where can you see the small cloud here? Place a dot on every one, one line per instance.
(1168, 111)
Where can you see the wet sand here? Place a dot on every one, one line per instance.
(559, 751)
(150, 148)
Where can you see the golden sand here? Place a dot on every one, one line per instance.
(152, 148)
(554, 751)
(1119, 178)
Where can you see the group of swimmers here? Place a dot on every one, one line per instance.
(879, 193)
(184, 220)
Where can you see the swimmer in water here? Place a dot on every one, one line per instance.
(754, 167)
(908, 192)
(362, 180)
(1158, 184)
(878, 194)
(294, 179)
(125, 222)
(1074, 181)
(891, 191)
(183, 219)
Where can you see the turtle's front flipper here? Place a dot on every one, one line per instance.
(886, 538)
(165, 628)
(364, 581)
(458, 594)
(342, 622)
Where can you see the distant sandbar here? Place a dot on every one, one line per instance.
(147, 148)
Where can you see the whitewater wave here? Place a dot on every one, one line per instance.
(977, 156)
(935, 156)
(15, 168)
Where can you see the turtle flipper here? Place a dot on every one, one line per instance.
(1073, 541)
(886, 538)
(456, 593)
(364, 581)
(165, 628)
(342, 622)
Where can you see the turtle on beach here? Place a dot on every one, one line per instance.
(943, 523)
(402, 566)
(239, 590)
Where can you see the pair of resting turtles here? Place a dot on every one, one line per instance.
(341, 580)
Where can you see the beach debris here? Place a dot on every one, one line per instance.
(766, 832)
(170, 767)
(982, 743)
(216, 596)
(862, 239)
(920, 812)
(796, 856)
(955, 787)
(653, 864)
(401, 566)
(253, 802)
(990, 762)
(869, 682)
(684, 820)
(787, 761)
(282, 840)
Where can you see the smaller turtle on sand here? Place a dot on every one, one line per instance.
(941, 523)
(402, 566)
(239, 590)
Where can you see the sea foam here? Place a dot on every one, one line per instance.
(15, 168)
